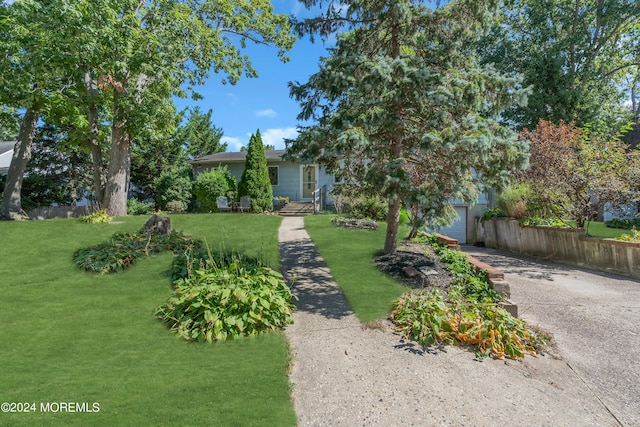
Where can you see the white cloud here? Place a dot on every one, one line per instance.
(276, 137)
(233, 97)
(233, 144)
(266, 113)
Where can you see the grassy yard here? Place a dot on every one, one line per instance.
(349, 254)
(71, 336)
(598, 229)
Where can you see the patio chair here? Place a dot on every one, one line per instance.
(223, 204)
(245, 204)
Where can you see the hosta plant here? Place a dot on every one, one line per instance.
(218, 303)
(97, 217)
(426, 318)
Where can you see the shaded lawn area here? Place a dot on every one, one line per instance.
(350, 255)
(71, 336)
(598, 229)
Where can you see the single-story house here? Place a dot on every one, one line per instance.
(288, 179)
(298, 182)
(6, 153)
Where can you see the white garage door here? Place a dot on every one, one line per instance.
(458, 229)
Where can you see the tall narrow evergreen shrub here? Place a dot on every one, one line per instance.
(255, 178)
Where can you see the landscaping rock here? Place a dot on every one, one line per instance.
(410, 272)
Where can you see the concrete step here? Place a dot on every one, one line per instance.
(297, 209)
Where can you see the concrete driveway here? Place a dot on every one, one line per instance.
(594, 318)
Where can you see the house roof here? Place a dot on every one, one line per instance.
(6, 153)
(235, 157)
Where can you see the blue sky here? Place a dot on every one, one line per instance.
(261, 103)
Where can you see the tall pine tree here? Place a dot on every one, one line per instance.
(255, 178)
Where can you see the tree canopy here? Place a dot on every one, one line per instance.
(403, 108)
(580, 59)
(125, 61)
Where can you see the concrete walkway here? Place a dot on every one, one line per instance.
(344, 375)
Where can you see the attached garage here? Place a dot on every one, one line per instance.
(458, 230)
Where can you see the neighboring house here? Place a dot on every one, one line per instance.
(288, 179)
(6, 153)
(298, 182)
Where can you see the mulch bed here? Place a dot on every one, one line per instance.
(408, 261)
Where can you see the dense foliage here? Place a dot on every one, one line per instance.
(469, 314)
(212, 184)
(580, 59)
(98, 217)
(120, 64)
(255, 181)
(136, 207)
(573, 174)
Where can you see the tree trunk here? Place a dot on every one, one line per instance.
(11, 207)
(115, 197)
(94, 144)
(393, 221)
(395, 202)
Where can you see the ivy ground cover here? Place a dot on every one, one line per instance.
(70, 336)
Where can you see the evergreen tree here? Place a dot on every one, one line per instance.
(255, 178)
(199, 135)
(403, 107)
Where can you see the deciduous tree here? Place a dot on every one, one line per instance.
(577, 56)
(573, 174)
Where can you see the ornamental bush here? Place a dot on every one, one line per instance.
(212, 184)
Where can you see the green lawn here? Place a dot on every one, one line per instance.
(349, 254)
(71, 336)
(598, 229)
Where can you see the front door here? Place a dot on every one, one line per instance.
(309, 181)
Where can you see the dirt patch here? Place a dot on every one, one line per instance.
(417, 266)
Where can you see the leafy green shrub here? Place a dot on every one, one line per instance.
(513, 200)
(176, 206)
(221, 303)
(471, 284)
(493, 213)
(174, 185)
(97, 217)
(136, 207)
(199, 257)
(469, 315)
(551, 222)
(362, 207)
(212, 184)
(623, 223)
